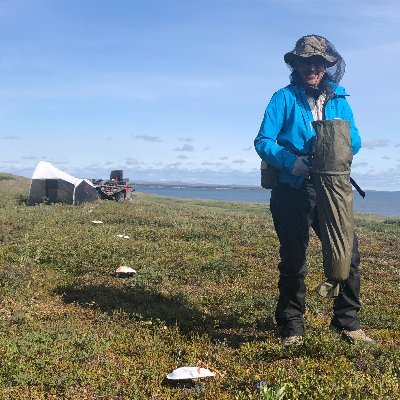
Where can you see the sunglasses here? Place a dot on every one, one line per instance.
(318, 65)
(315, 61)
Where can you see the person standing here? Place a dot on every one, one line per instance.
(285, 141)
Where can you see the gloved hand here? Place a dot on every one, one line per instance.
(301, 167)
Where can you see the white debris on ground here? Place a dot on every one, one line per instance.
(124, 270)
(97, 222)
(190, 373)
(123, 236)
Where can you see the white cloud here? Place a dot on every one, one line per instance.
(372, 144)
(388, 179)
(185, 147)
(225, 175)
(359, 164)
(212, 164)
(147, 138)
(132, 161)
(174, 165)
(11, 137)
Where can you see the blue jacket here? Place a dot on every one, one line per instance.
(286, 130)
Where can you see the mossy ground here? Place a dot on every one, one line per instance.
(205, 291)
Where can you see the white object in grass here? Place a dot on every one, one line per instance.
(125, 270)
(97, 222)
(190, 373)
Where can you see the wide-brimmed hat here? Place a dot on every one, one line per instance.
(312, 46)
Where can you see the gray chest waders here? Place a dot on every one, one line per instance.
(331, 176)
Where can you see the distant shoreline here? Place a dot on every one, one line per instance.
(195, 186)
(182, 185)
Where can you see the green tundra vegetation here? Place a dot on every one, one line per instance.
(203, 295)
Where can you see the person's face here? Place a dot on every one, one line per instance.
(311, 71)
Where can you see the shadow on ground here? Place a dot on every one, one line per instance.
(175, 310)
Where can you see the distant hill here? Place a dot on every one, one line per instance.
(13, 184)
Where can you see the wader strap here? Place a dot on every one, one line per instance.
(359, 190)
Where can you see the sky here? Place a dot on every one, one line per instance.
(175, 90)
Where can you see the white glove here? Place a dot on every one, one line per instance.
(301, 167)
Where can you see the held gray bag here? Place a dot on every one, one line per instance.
(269, 176)
(331, 175)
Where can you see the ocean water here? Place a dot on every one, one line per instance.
(375, 202)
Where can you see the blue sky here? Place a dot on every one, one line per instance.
(175, 90)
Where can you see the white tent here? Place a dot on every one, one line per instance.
(51, 185)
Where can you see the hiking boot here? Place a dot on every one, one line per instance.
(292, 341)
(357, 336)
